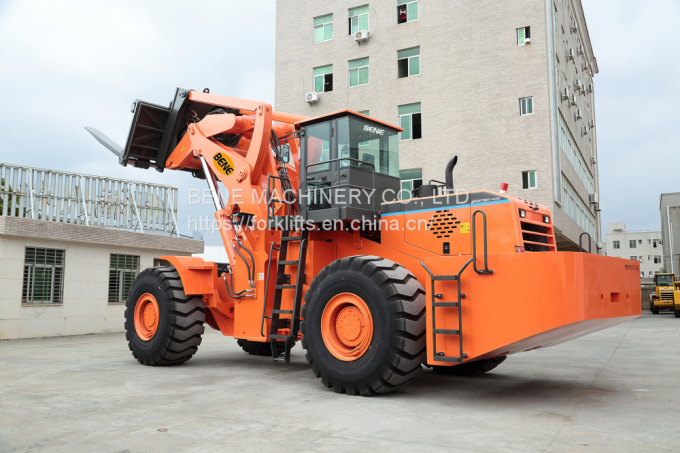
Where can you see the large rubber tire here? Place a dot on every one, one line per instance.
(470, 368)
(676, 313)
(180, 323)
(261, 348)
(396, 301)
(655, 310)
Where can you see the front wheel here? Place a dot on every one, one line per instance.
(655, 310)
(364, 326)
(676, 313)
(163, 325)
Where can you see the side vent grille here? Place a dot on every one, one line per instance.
(537, 237)
(442, 224)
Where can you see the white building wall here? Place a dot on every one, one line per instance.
(473, 74)
(85, 308)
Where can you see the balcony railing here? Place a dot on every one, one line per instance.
(75, 198)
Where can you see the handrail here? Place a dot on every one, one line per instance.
(580, 245)
(486, 269)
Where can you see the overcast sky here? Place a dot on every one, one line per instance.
(69, 64)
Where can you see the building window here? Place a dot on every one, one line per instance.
(407, 10)
(656, 242)
(570, 148)
(649, 241)
(632, 244)
(526, 106)
(364, 112)
(358, 19)
(323, 79)
(640, 241)
(576, 208)
(529, 180)
(408, 62)
(323, 28)
(617, 244)
(358, 72)
(411, 180)
(649, 257)
(410, 121)
(43, 276)
(122, 272)
(523, 36)
(634, 258)
(657, 259)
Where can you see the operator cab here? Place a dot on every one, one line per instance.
(349, 165)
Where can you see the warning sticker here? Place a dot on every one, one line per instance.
(464, 228)
(260, 275)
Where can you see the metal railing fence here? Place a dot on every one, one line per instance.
(61, 196)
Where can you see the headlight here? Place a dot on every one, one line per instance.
(522, 213)
(546, 219)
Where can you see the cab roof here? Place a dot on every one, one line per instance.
(341, 113)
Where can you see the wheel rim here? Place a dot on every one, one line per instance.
(146, 316)
(347, 327)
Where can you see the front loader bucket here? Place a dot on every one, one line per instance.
(535, 300)
(154, 133)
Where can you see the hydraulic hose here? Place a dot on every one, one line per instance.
(250, 279)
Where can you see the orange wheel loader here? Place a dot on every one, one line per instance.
(324, 251)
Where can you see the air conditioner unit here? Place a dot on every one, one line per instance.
(312, 98)
(527, 41)
(577, 115)
(600, 245)
(597, 207)
(565, 94)
(572, 100)
(580, 49)
(584, 130)
(590, 88)
(570, 54)
(592, 124)
(593, 198)
(585, 65)
(578, 86)
(361, 35)
(593, 160)
(574, 26)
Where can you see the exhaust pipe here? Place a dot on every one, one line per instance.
(449, 173)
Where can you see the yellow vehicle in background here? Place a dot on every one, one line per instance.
(666, 295)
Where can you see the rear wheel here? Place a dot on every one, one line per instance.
(261, 348)
(655, 310)
(676, 313)
(163, 325)
(470, 368)
(364, 325)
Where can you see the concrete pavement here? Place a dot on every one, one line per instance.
(614, 391)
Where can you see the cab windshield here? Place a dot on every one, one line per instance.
(664, 280)
(376, 146)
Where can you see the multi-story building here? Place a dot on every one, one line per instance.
(506, 86)
(642, 246)
(670, 228)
